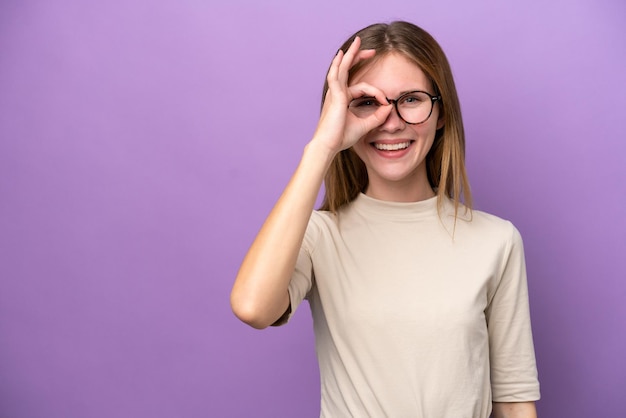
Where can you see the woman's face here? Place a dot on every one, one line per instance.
(395, 152)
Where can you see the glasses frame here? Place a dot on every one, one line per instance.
(433, 99)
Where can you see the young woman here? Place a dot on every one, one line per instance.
(420, 304)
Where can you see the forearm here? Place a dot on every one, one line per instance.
(514, 410)
(259, 296)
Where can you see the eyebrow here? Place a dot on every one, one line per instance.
(402, 93)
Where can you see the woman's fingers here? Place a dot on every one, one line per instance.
(367, 90)
(348, 58)
(363, 54)
(376, 118)
(379, 111)
(334, 66)
(340, 128)
(379, 117)
(343, 62)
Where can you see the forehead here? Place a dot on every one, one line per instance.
(393, 73)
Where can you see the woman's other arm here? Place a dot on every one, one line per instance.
(514, 410)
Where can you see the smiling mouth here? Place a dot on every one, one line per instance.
(392, 147)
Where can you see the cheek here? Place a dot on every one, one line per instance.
(426, 137)
(427, 131)
(359, 148)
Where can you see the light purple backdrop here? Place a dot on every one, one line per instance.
(142, 143)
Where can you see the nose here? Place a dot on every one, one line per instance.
(393, 122)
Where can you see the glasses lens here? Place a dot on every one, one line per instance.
(363, 106)
(415, 107)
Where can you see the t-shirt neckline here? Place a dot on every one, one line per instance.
(396, 210)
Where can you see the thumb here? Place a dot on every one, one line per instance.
(379, 117)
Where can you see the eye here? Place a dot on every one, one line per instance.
(364, 102)
(414, 98)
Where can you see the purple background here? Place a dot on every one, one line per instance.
(142, 143)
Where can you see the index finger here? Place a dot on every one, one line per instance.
(363, 54)
(367, 90)
(349, 59)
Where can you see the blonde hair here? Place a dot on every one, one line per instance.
(445, 162)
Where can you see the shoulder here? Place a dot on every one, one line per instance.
(321, 224)
(321, 219)
(497, 240)
(486, 220)
(487, 226)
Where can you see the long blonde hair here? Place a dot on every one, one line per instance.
(445, 162)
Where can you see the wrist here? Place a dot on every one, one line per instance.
(319, 152)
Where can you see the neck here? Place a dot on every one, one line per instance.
(400, 191)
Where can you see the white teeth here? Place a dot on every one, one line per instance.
(392, 147)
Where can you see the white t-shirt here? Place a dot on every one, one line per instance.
(416, 315)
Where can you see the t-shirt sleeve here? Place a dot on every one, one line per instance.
(512, 355)
(302, 278)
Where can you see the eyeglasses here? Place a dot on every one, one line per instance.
(414, 107)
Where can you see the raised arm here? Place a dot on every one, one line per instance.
(259, 296)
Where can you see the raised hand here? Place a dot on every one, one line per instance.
(338, 128)
(260, 296)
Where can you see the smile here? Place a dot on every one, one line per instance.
(392, 147)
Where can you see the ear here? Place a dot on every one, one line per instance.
(440, 121)
(440, 118)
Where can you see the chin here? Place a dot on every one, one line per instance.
(398, 177)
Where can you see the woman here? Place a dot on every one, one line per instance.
(420, 304)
